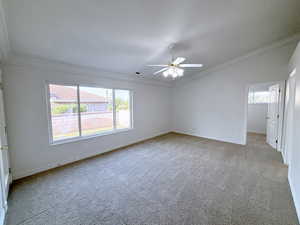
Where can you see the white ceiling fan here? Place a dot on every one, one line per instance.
(175, 68)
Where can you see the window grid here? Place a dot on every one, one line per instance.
(114, 110)
(79, 113)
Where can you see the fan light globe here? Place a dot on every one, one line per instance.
(166, 73)
(179, 71)
(174, 72)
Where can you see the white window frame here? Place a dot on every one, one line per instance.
(80, 137)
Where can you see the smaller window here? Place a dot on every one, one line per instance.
(258, 97)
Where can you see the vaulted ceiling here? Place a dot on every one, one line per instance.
(124, 36)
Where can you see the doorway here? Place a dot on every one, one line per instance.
(265, 111)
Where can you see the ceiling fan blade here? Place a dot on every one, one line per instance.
(178, 60)
(190, 65)
(158, 65)
(162, 70)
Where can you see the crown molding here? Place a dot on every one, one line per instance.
(4, 41)
(30, 61)
(277, 44)
(34, 62)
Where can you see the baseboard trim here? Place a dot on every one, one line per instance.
(283, 158)
(53, 166)
(27, 173)
(256, 133)
(210, 138)
(40, 171)
(296, 203)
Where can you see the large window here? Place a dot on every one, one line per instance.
(101, 110)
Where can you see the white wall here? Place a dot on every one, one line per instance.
(4, 42)
(257, 122)
(25, 98)
(213, 105)
(294, 167)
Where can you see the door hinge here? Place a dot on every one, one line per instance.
(277, 116)
(9, 170)
(279, 90)
(276, 141)
(4, 147)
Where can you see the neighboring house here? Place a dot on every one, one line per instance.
(67, 95)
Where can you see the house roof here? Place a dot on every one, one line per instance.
(60, 93)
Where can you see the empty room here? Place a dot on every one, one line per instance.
(149, 112)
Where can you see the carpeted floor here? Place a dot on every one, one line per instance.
(170, 180)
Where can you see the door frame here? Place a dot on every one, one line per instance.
(288, 111)
(282, 85)
(5, 173)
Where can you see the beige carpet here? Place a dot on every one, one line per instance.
(173, 179)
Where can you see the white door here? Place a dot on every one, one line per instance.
(273, 116)
(5, 177)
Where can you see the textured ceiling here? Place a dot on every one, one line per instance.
(124, 36)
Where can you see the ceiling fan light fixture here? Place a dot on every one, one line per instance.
(166, 73)
(175, 68)
(179, 72)
(174, 72)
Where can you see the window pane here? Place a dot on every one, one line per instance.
(122, 103)
(64, 113)
(96, 110)
(258, 97)
(262, 97)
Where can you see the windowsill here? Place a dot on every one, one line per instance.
(76, 139)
